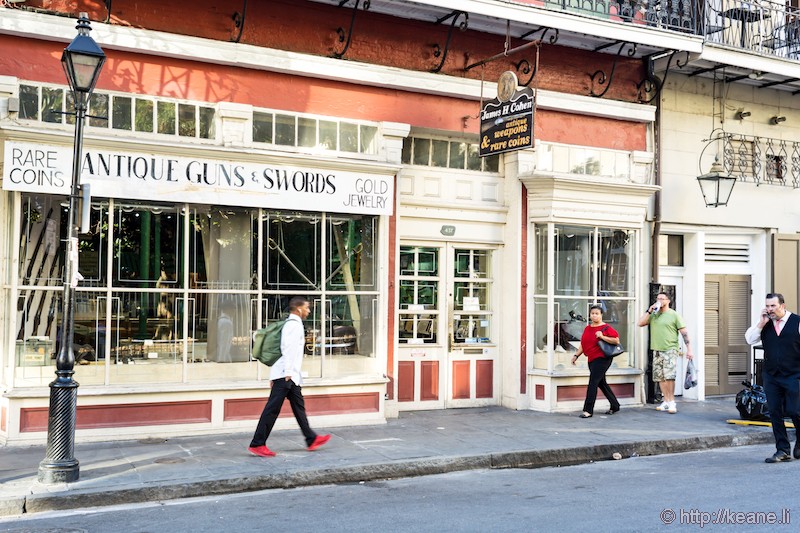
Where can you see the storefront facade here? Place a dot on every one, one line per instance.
(438, 279)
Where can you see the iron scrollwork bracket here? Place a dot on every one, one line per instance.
(599, 78)
(524, 66)
(346, 38)
(652, 84)
(437, 50)
(238, 22)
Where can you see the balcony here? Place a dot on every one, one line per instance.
(761, 26)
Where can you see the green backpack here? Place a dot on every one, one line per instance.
(267, 343)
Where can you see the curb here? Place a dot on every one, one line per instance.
(37, 503)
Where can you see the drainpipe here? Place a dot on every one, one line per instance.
(650, 388)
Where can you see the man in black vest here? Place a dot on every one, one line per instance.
(779, 333)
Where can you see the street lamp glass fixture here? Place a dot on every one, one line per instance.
(716, 186)
(82, 59)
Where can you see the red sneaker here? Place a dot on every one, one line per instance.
(319, 442)
(261, 451)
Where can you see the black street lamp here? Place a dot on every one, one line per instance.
(82, 61)
(716, 185)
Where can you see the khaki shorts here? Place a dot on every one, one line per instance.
(664, 365)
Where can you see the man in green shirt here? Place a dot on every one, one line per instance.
(665, 324)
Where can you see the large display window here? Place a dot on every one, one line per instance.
(174, 292)
(575, 267)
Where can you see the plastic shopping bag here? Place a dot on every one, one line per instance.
(691, 376)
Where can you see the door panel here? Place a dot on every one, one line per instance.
(446, 349)
(726, 316)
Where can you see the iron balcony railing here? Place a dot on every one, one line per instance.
(761, 160)
(768, 27)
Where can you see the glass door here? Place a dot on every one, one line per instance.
(447, 353)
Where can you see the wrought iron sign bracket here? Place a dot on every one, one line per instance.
(553, 39)
(238, 21)
(437, 50)
(599, 77)
(108, 10)
(652, 84)
(346, 38)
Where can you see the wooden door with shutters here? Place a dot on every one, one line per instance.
(727, 317)
(785, 265)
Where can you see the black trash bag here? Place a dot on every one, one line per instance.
(752, 403)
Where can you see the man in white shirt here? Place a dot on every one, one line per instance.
(287, 379)
(779, 333)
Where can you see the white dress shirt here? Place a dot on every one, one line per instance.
(753, 333)
(293, 341)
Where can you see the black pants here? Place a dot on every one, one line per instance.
(282, 389)
(783, 399)
(597, 378)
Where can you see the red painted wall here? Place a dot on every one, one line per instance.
(40, 61)
(310, 28)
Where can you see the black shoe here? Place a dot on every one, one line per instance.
(778, 457)
(796, 452)
(585, 415)
(612, 411)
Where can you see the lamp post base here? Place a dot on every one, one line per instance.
(59, 471)
(60, 465)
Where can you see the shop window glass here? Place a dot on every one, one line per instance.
(187, 120)
(405, 155)
(422, 151)
(98, 109)
(351, 250)
(348, 137)
(285, 133)
(473, 159)
(121, 113)
(144, 116)
(418, 294)
(166, 118)
(368, 136)
(222, 248)
(146, 337)
(439, 156)
(43, 233)
(306, 132)
(592, 265)
(207, 122)
(52, 100)
(491, 163)
(328, 133)
(458, 153)
(573, 260)
(292, 251)
(146, 245)
(471, 292)
(220, 327)
(29, 102)
(262, 127)
(93, 246)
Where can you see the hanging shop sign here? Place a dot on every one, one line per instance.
(48, 169)
(507, 121)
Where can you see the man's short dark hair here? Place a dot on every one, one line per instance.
(777, 295)
(664, 294)
(297, 301)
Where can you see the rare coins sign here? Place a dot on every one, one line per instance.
(507, 121)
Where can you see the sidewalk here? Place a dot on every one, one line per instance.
(417, 443)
